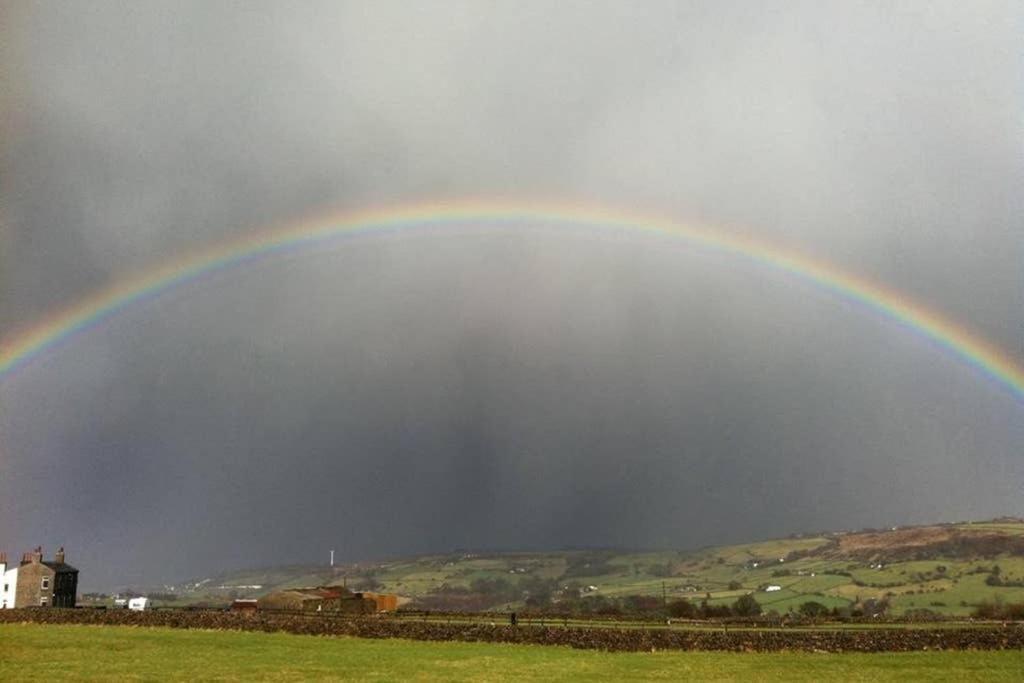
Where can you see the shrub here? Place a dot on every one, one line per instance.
(682, 609)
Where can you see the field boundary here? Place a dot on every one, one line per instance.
(1006, 637)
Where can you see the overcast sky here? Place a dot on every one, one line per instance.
(515, 386)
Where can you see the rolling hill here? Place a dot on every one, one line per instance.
(944, 568)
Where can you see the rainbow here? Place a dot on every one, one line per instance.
(19, 349)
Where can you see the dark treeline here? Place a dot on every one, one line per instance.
(1013, 611)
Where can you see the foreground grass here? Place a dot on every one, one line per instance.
(50, 652)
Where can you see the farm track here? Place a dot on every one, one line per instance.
(616, 637)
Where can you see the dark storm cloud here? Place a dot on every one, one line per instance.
(518, 389)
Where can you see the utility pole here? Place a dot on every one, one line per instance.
(664, 595)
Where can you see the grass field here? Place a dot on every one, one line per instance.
(38, 652)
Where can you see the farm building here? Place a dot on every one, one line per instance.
(37, 582)
(244, 605)
(320, 599)
(386, 602)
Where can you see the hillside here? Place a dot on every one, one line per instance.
(947, 568)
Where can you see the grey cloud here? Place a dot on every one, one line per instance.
(516, 387)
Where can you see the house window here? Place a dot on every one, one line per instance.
(42, 602)
(46, 582)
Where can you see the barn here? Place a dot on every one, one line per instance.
(319, 599)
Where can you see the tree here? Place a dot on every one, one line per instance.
(813, 609)
(681, 609)
(746, 606)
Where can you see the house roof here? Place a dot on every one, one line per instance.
(60, 567)
(327, 592)
(304, 594)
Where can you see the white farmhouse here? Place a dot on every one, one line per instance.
(8, 583)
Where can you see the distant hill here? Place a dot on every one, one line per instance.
(945, 568)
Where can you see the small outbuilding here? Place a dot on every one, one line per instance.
(385, 602)
(319, 599)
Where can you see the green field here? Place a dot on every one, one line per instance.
(38, 652)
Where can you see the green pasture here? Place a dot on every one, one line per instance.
(104, 653)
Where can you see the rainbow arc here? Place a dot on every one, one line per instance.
(20, 349)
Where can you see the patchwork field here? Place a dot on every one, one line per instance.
(947, 569)
(66, 652)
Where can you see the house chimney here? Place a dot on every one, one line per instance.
(59, 557)
(37, 555)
